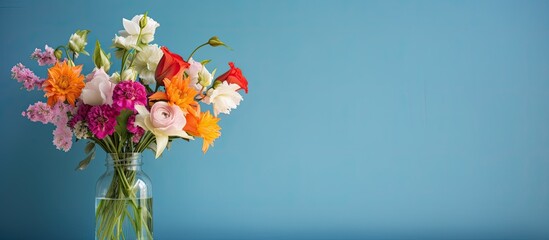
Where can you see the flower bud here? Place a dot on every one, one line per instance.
(58, 54)
(100, 59)
(78, 41)
(143, 21)
(214, 42)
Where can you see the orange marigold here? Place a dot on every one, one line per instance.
(203, 125)
(64, 83)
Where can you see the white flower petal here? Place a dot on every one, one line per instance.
(141, 110)
(130, 26)
(161, 142)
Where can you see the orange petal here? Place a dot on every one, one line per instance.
(158, 96)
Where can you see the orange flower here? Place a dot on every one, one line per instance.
(178, 92)
(64, 83)
(205, 126)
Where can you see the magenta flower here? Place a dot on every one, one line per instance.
(81, 113)
(102, 120)
(128, 93)
(24, 75)
(46, 57)
(135, 130)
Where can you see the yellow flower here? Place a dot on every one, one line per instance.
(64, 83)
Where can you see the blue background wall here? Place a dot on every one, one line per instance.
(365, 119)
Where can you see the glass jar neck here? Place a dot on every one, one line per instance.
(130, 161)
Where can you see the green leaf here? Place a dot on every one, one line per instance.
(89, 147)
(122, 126)
(205, 62)
(84, 163)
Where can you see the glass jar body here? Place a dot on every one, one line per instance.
(123, 200)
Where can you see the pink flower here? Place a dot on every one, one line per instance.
(62, 137)
(60, 113)
(135, 130)
(127, 94)
(102, 120)
(163, 121)
(98, 89)
(39, 112)
(81, 114)
(44, 58)
(24, 75)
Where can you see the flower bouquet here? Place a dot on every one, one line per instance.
(152, 100)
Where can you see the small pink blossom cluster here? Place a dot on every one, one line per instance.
(46, 57)
(57, 115)
(24, 75)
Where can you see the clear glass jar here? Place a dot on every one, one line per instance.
(123, 200)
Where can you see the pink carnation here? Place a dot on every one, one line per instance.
(24, 75)
(46, 57)
(102, 120)
(128, 93)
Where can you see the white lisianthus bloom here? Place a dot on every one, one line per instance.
(128, 37)
(163, 121)
(98, 89)
(200, 77)
(224, 97)
(123, 43)
(146, 62)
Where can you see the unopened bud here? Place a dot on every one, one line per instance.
(214, 42)
(100, 59)
(143, 21)
(58, 54)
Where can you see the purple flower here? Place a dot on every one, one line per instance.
(128, 93)
(46, 57)
(24, 75)
(102, 120)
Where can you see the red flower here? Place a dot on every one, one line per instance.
(170, 65)
(234, 75)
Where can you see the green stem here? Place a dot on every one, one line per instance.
(196, 49)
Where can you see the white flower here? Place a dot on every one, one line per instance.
(128, 37)
(81, 130)
(98, 89)
(224, 97)
(146, 62)
(124, 43)
(78, 42)
(163, 121)
(128, 74)
(115, 78)
(200, 77)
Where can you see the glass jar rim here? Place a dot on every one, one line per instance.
(123, 159)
